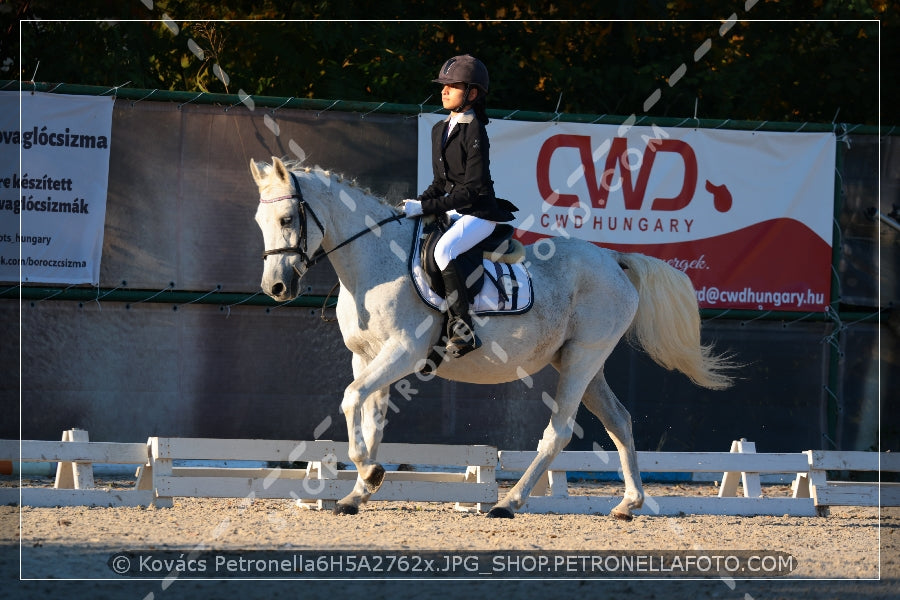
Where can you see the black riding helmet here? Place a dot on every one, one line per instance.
(464, 69)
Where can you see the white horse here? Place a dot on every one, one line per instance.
(585, 299)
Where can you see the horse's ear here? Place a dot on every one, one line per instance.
(254, 170)
(280, 169)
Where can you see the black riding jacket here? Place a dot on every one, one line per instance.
(462, 178)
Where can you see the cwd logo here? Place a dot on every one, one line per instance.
(649, 185)
(633, 176)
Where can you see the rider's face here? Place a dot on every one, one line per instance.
(453, 93)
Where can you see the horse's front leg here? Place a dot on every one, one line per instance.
(364, 406)
(374, 409)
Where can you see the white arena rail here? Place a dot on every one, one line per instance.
(75, 456)
(174, 467)
(812, 492)
(322, 482)
(825, 493)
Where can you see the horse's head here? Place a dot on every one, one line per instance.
(290, 240)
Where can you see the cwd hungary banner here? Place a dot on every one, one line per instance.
(53, 202)
(747, 215)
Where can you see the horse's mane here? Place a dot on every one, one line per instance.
(292, 164)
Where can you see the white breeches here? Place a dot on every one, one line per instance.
(464, 233)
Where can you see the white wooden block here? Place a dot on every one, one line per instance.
(480, 475)
(728, 488)
(326, 469)
(162, 469)
(74, 474)
(559, 484)
(542, 486)
(750, 480)
(64, 476)
(800, 486)
(144, 478)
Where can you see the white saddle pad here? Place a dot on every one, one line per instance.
(507, 288)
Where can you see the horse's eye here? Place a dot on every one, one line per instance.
(286, 221)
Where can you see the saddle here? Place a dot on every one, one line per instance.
(496, 259)
(497, 247)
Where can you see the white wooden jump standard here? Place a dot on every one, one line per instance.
(742, 462)
(74, 484)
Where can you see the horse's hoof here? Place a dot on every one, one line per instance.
(345, 509)
(500, 513)
(622, 516)
(375, 478)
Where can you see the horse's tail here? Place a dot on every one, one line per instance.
(667, 323)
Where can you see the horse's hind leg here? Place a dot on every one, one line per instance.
(573, 379)
(601, 401)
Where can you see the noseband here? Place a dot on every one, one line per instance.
(301, 248)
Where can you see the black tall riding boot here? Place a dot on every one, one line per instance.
(460, 331)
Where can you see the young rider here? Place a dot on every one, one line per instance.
(462, 187)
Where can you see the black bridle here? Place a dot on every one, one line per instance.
(301, 247)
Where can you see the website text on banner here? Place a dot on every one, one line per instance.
(53, 203)
(747, 215)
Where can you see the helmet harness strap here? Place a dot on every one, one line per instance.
(465, 99)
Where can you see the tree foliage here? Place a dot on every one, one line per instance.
(568, 56)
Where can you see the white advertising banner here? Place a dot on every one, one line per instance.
(747, 215)
(55, 167)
